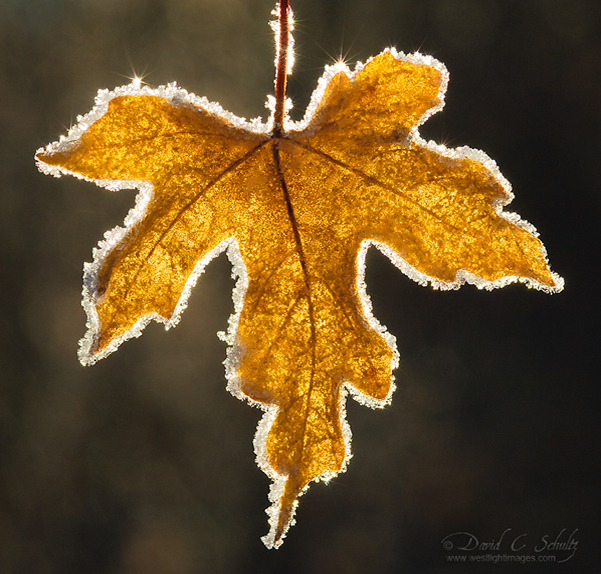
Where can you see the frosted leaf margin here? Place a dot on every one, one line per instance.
(178, 95)
(175, 95)
(459, 153)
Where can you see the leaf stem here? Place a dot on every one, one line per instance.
(281, 70)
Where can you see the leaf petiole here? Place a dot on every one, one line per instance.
(283, 45)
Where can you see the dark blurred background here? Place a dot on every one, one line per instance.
(143, 464)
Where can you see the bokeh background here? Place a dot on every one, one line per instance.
(143, 464)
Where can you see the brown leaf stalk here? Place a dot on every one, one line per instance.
(281, 67)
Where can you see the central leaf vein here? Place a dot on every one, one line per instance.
(308, 294)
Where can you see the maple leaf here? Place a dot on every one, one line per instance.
(296, 206)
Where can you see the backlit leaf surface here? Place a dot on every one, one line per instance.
(296, 213)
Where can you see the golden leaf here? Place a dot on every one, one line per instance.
(296, 209)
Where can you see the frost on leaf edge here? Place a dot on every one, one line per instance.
(459, 153)
(331, 70)
(177, 96)
(234, 353)
(113, 237)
